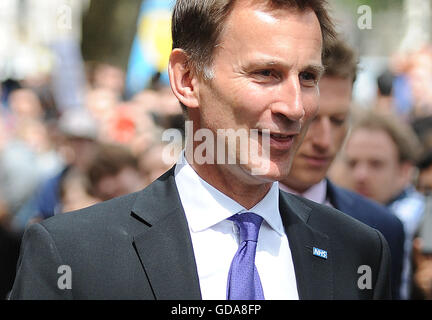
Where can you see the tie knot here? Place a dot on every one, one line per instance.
(249, 224)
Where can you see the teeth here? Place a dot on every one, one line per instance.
(279, 136)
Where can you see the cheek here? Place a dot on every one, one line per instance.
(214, 114)
(230, 106)
(311, 102)
(251, 99)
(381, 179)
(310, 107)
(338, 138)
(306, 144)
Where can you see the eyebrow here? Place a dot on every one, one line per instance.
(318, 69)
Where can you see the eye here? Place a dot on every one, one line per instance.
(308, 78)
(266, 74)
(377, 164)
(351, 163)
(338, 121)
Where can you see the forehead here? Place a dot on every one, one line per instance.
(252, 25)
(372, 144)
(335, 94)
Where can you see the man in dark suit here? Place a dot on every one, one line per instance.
(321, 145)
(216, 225)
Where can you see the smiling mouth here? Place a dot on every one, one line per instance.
(317, 161)
(279, 141)
(280, 136)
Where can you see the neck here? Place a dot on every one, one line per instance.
(296, 186)
(233, 182)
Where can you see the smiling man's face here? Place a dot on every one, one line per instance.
(265, 76)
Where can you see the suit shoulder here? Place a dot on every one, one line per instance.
(373, 213)
(359, 199)
(111, 211)
(330, 220)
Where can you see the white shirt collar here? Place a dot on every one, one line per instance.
(206, 206)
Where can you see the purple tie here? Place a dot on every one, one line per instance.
(243, 279)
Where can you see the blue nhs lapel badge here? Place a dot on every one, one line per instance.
(319, 253)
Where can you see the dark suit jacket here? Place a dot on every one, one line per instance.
(376, 216)
(9, 252)
(138, 247)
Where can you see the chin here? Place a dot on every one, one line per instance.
(314, 179)
(271, 173)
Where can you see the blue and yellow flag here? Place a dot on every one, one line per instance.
(151, 47)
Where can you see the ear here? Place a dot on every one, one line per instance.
(406, 173)
(183, 82)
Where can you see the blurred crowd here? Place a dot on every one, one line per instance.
(54, 160)
(387, 157)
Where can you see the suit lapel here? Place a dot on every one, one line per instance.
(164, 247)
(314, 274)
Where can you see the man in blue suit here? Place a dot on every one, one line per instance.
(319, 148)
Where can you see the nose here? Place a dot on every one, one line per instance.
(289, 102)
(320, 130)
(360, 172)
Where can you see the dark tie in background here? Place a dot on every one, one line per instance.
(243, 279)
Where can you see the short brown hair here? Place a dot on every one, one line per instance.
(109, 160)
(404, 137)
(340, 60)
(198, 24)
